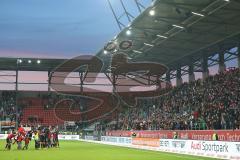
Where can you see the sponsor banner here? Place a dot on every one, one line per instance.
(7, 124)
(119, 140)
(224, 135)
(60, 137)
(3, 136)
(215, 149)
(146, 142)
(27, 128)
(172, 145)
(89, 138)
(119, 133)
(68, 137)
(218, 149)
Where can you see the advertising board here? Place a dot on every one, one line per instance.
(216, 149)
(146, 142)
(206, 135)
(119, 140)
(68, 137)
(3, 136)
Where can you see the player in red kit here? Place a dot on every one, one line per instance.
(21, 130)
(27, 139)
(9, 140)
(19, 140)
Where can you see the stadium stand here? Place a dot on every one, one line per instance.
(210, 104)
(199, 105)
(124, 95)
(8, 106)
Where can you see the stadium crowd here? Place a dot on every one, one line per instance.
(8, 110)
(213, 103)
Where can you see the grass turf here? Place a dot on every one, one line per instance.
(76, 150)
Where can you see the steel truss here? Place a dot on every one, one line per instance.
(123, 15)
(211, 60)
(191, 20)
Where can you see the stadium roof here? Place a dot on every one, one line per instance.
(42, 65)
(174, 31)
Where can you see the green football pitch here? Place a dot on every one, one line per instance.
(76, 150)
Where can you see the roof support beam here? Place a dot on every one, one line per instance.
(222, 66)
(238, 54)
(191, 74)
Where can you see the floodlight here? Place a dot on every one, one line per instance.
(198, 14)
(128, 32)
(137, 51)
(19, 61)
(152, 12)
(161, 36)
(177, 26)
(105, 52)
(147, 44)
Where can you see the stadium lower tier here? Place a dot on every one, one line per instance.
(38, 112)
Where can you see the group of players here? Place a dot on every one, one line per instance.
(44, 137)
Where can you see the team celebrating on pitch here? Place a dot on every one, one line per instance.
(44, 137)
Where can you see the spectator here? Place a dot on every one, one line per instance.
(210, 104)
